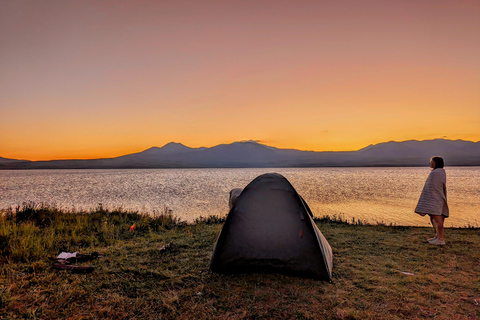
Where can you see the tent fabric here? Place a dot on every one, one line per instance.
(270, 229)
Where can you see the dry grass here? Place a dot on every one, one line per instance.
(136, 280)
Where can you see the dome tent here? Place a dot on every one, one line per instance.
(270, 229)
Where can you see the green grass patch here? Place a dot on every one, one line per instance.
(137, 279)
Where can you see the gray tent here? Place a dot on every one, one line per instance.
(270, 229)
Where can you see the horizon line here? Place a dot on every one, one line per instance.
(240, 141)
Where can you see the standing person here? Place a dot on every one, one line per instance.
(433, 200)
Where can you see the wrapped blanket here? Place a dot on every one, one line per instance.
(433, 199)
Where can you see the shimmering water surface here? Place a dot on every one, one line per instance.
(373, 195)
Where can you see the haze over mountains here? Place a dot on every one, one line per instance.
(252, 154)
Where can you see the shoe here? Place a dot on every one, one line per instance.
(431, 239)
(438, 242)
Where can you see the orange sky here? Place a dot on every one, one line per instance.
(88, 79)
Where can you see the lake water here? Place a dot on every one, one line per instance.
(373, 195)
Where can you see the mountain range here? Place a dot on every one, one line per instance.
(252, 154)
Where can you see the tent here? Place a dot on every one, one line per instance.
(270, 229)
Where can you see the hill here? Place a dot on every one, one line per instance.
(7, 160)
(252, 154)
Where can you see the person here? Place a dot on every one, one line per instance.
(433, 200)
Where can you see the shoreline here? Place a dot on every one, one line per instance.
(334, 218)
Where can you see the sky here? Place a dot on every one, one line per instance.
(96, 79)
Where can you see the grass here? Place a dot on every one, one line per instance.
(136, 280)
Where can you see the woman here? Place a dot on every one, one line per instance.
(433, 200)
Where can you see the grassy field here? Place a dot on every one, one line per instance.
(135, 279)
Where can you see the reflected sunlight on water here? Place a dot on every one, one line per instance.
(386, 195)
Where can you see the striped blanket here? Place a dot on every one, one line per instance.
(433, 199)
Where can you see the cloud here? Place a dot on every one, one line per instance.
(254, 140)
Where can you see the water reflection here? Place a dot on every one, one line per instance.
(386, 195)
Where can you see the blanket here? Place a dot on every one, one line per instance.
(433, 199)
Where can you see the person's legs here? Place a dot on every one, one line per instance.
(434, 224)
(438, 225)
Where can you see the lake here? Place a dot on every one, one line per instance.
(387, 195)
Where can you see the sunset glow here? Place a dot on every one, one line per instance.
(92, 79)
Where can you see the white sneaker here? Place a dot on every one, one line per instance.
(431, 239)
(438, 242)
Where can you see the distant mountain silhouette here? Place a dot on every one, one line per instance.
(413, 152)
(252, 154)
(5, 160)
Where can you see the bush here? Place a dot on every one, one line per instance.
(41, 215)
(33, 232)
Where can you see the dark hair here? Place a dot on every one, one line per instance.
(438, 162)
